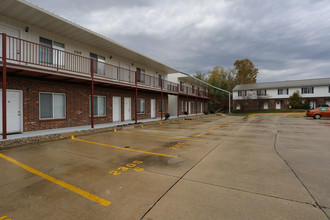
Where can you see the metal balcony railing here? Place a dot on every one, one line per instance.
(27, 53)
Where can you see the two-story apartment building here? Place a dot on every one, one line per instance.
(58, 74)
(191, 97)
(275, 95)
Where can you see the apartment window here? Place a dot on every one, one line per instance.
(283, 91)
(262, 92)
(52, 105)
(141, 106)
(242, 93)
(198, 106)
(181, 86)
(161, 107)
(307, 90)
(140, 75)
(99, 105)
(51, 52)
(193, 89)
(182, 106)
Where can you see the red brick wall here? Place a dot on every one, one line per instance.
(196, 101)
(77, 102)
(254, 104)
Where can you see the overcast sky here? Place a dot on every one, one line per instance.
(285, 39)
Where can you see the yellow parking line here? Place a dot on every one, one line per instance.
(276, 113)
(122, 148)
(83, 193)
(181, 129)
(151, 135)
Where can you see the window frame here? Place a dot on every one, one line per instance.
(241, 93)
(307, 90)
(141, 78)
(97, 98)
(163, 106)
(181, 86)
(182, 106)
(282, 91)
(262, 92)
(53, 110)
(144, 105)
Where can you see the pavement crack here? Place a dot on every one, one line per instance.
(210, 151)
(294, 172)
(251, 192)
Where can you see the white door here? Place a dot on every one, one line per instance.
(312, 104)
(101, 65)
(127, 109)
(278, 104)
(13, 47)
(58, 54)
(153, 108)
(116, 109)
(14, 111)
(265, 105)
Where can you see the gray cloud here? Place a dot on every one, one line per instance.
(284, 39)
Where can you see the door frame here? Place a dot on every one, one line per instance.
(154, 105)
(21, 108)
(280, 105)
(119, 108)
(130, 107)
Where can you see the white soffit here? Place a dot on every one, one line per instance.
(31, 14)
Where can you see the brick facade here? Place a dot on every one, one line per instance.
(190, 99)
(77, 102)
(250, 105)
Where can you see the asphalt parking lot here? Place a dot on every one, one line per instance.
(211, 167)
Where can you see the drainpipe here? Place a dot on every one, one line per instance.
(136, 93)
(92, 96)
(178, 107)
(161, 98)
(196, 103)
(4, 87)
(187, 102)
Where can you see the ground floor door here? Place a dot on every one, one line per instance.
(278, 104)
(127, 109)
(189, 108)
(116, 109)
(265, 105)
(312, 104)
(202, 107)
(153, 108)
(14, 111)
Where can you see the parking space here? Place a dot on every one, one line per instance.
(211, 167)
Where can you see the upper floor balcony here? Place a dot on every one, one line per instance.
(30, 56)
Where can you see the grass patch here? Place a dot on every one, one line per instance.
(239, 113)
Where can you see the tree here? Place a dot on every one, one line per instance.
(201, 76)
(246, 72)
(295, 100)
(224, 79)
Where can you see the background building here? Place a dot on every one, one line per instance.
(275, 95)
